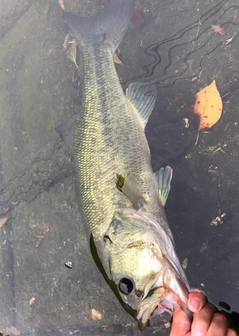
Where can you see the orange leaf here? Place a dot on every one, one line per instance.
(207, 108)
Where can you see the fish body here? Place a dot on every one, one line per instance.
(119, 197)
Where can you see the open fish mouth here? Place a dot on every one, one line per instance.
(160, 300)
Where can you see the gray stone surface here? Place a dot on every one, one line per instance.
(176, 49)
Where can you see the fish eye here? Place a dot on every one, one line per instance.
(126, 286)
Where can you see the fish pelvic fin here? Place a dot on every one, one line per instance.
(108, 26)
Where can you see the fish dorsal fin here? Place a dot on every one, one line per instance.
(130, 188)
(143, 97)
(163, 179)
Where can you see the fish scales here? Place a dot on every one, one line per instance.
(108, 140)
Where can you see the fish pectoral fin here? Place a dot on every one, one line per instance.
(129, 187)
(143, 97)
(66, 132)
(163, 179)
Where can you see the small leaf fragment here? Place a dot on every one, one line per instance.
(117, 60)
(96, 315)
(3, 220)
(71, 51)
(137, 18)
(12, 330)
(32, 301)
(218, 29)
(61, 3)
(68, 37)
(73, 73)
(185, 263)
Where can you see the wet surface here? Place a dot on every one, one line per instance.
(176, 49)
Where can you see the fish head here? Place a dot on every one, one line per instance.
(144, 266)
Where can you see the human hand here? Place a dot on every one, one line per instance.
(207, 320)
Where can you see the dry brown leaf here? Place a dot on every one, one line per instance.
(207, 108)
(3, 220)
(71, 51)
(66, 41)
(117, 60)
(73, 73)
(12, 330)
(218, 29)
(61, 3)
(137, 18)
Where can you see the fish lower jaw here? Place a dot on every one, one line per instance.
(150, 309)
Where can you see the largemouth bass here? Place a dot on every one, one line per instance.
(120, 200)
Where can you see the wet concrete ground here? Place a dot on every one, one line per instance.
(176, 49)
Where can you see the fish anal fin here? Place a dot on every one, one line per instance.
(143, 97)
(163, 179)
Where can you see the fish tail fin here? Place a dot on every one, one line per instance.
(108, 26)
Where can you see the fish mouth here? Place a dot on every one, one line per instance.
(157, 301)
(167, 291)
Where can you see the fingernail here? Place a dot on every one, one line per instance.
(196, 303)
(196, 290)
